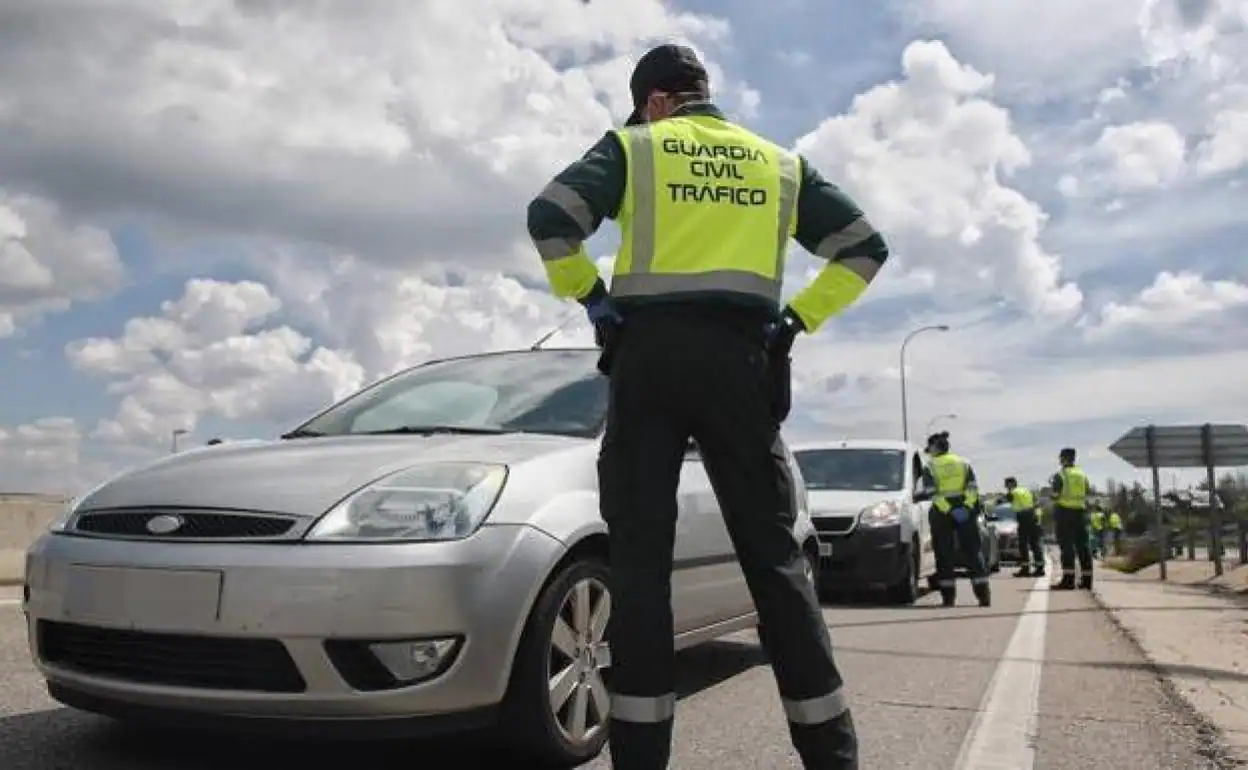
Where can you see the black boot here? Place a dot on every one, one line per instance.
(1085, 582)
(1039, 571)
(983, 592)
(948, 597)
(1023, 571)
(1067, 583)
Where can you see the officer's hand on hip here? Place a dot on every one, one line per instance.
(780, 334)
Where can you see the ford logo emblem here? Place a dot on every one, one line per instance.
(164, 524)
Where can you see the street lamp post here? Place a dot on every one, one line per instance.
(938, 418)
(905, 417)
(173, 443)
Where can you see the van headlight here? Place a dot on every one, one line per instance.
(882, 514)
(439, 501)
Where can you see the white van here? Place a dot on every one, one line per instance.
(872, 533)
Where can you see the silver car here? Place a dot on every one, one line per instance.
(424, 556)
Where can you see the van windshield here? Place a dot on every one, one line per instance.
(875, 470)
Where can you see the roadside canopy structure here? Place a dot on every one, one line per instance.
(1205, 446)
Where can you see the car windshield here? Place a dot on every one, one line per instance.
(852, 469)
(1004, 513)
(546, 391)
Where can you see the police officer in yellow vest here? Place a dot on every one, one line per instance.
(1115, 531)
(954, 520)
(1030, 535)
(697, 346)
(1070, 509)
(1096, 519)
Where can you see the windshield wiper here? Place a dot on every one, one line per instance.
(302, 433)
(430, 430)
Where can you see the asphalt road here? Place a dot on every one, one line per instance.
(932, 688)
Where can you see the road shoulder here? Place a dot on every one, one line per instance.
(1194, 637)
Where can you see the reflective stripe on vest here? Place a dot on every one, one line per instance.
(949, 473)
(1021, 499)
(708, 206)
(1074, 492)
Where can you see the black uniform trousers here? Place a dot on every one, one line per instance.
(677, 376)
(1031, 538)
(948, 538)
(1071, 525)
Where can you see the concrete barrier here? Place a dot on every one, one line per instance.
(22, 519)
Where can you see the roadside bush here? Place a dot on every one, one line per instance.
(1140, 554)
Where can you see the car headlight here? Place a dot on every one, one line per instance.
(440, 501)
(882, 514)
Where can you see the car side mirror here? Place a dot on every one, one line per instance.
(991, 517)
(922, 495)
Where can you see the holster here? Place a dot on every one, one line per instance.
(606, 336)
(780, 381)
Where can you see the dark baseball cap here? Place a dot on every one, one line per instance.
(671, 68)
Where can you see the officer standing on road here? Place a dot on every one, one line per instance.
(1115, 532)
(1030, 536)
(954, 520)
(696, 346)
(1097, 522)
(1070, 509)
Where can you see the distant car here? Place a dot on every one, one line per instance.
(1009, 545)
(425, 555)
(872, 532)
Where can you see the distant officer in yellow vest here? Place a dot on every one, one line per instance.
(696, 345)
(954, 520)
(1115, 532)
(1096, 520)
(1070, 510)
(1030, 536)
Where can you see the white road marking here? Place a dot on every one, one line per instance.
(1003, 735)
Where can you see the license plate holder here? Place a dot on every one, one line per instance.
(825, 549)
(142, 597)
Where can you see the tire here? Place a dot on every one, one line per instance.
(906, 590)
(542, 733)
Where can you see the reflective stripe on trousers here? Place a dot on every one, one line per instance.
(643, 710)
(816, 711)
(640, 280)
(979, 581)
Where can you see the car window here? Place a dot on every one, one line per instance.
(555, 391)
(853, 469)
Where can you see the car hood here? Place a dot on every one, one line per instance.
(1006, 527)
(302, 476)
(846, 502)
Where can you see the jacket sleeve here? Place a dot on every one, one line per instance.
(1055, 483)
(972, 486)
(831, 226)
(570, 209)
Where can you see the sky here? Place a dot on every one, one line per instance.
(220, 216)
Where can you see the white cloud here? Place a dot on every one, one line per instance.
(1142, 155)
(201, 357)
(1175, 300)
(926, 158)
(47, 264)
(391, 129)
(41, 456)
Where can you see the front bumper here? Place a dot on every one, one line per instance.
(862, 557)
(204, 618)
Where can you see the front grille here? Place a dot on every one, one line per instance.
(834, 525)
(193, 525)
(175, 660)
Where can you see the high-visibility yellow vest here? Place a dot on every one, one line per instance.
(1115, 521)
(1098, 521)
(949, 471)
(708, 207)
(1022, 499)
(1074, 492)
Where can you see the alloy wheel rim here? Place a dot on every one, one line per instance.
(578, 656)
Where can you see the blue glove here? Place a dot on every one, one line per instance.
(602, 310)
(960, 514)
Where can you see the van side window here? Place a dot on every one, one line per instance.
(916, 481)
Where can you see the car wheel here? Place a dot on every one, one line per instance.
(906, 590)
(557, 704)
